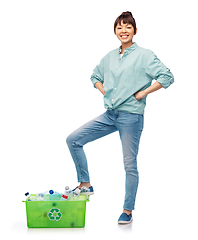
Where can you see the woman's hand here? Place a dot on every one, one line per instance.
(139, 95)
(100, 87)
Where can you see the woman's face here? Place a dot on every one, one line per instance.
(125, 32)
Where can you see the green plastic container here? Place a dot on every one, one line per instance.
(56, 214)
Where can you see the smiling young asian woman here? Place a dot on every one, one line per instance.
(124, 76)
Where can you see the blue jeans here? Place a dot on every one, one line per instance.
(130, 127)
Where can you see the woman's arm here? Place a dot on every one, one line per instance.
(100, 87)
(141, 94)
(158, 71)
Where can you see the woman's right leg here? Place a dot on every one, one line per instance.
(94, 129)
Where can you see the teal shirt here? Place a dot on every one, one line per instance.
(122, 78)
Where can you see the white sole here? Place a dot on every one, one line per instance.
(125, 222)
(87, 193)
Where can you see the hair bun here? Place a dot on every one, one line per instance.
(127, 13)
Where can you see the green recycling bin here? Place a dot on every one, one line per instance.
(56, 214)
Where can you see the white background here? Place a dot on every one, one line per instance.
(48, 50)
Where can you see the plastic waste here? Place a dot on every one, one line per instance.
(64, 198)
(29, 197)
(39, 197)
(51, 195)
(54, 196)
(72, 195)
(77, 192)
(68, 192)
(43, 196)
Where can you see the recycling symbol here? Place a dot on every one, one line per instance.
(54, 214)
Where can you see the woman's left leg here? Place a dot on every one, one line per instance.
(130, 127)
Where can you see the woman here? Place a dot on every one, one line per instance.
(124, 77)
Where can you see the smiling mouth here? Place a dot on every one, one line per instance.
(124, 36)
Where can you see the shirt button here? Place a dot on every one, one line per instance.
(115, 88)
(112, 100)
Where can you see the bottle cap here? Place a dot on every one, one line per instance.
(51, 191)
(64, 196)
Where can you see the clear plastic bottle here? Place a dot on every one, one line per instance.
(46, 196)
(54, 196)
(68, 192)
(76, 193)
(29, 197)
(64, 198)
(40, 197)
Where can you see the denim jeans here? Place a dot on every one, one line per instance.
(130, 127)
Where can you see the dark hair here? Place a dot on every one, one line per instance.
(126, 17)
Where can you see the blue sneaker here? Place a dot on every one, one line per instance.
(124, 218)
(87, 191)
(84, 191)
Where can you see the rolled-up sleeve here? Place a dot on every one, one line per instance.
(98, 73)
(158, 71)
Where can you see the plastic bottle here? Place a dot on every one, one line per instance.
(54, 196)
(29, 197)
(68, 192)
(76, 193)
(46, 196)
(39, 197)
(42, 196)
(64, 198)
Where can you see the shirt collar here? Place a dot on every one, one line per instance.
(130, 49)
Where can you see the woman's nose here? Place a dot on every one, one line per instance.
(124, 30)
